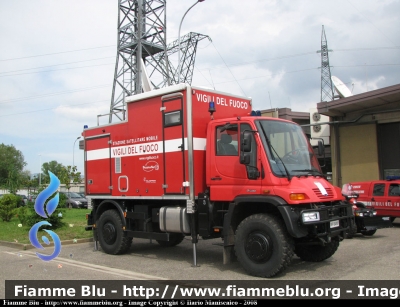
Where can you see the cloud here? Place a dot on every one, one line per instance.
(57, 59)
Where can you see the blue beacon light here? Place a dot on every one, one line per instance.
(211, 108)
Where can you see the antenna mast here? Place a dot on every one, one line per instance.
(326, 81)
(141, 35)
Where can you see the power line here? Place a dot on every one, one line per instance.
(41, 71)
(69, 105)
(53, 94)
(229, 69)
(40, 55)
(12, 71)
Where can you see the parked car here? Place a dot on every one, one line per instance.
(74, 200)
(32, 198)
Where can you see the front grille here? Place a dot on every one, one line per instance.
(321, 196)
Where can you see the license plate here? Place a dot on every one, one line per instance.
(335, 224)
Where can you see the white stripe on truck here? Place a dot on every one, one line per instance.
(141, 149)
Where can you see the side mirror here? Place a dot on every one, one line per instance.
(246, 142)
(321, 148)
(244, 158)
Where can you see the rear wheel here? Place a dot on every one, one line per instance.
(112, 238)
(174, 239)
(316, 253)
(368, 232)
(263, 245)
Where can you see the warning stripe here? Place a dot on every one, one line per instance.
(141, 149)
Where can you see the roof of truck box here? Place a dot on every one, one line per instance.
(176, 88)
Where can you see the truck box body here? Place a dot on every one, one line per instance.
(160, 149)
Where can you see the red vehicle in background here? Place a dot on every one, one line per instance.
(376, 204)
(382, 195)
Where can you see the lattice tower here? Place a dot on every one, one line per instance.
(142, 35)
(326, 81)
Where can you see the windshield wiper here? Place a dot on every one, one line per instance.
(271, 147)
(307, 170)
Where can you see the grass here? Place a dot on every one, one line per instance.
(75, 220)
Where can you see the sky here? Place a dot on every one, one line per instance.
(57, 59)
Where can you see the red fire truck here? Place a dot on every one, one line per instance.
(193, 162)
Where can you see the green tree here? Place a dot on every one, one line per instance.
(12, 163)
(8, 204)
(52, 166)
(69, 175)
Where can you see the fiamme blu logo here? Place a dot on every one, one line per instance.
(45, 213)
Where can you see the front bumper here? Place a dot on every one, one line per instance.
(366, 220)
(334, 220)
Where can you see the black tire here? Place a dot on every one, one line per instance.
(353, 230)
(316, 253)
(263, 246)
(174, 239)
(392, 219)
(111, 237)
(368, 232)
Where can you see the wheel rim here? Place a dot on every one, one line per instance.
(109, 233)
(258, 247)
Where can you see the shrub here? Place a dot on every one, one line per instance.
(22, 214)
(8, 204)
(31, 217)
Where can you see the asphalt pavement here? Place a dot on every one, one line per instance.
(360, 258)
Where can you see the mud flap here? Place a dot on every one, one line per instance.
(229, 254)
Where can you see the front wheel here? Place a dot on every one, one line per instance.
(113, 240)
(263, 245)
(316, 253)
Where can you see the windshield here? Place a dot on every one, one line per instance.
(287, 148)
(73, 195)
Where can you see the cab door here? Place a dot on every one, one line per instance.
(228, 177)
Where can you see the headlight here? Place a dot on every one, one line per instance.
(77, 202)
(310, 217)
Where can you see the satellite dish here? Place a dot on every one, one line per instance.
(341, 88)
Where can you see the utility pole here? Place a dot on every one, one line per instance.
(326, 81)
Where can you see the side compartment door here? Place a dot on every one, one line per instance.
(98, 165)
(174, 145)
